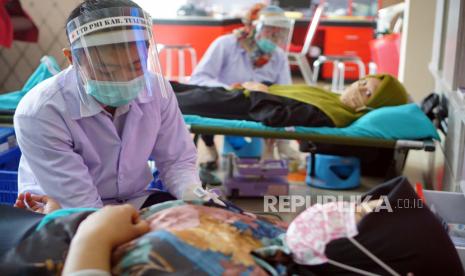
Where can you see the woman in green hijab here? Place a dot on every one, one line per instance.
(292, 105)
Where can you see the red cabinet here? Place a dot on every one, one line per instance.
(198, 32)
(337, 38)
(347, 40)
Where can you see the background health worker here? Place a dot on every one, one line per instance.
(256, 52)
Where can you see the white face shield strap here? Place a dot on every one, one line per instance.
(115, 55)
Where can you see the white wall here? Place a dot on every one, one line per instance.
(169, 8)
(417, 41)
(18, 62)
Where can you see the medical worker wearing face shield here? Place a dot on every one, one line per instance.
(86, 134)
(254, 53)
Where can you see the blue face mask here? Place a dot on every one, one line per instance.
(266, 45)
(115, 93)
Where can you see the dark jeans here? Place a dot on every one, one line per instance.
(209, 140)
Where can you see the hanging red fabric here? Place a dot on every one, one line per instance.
(6, 29)
(15, 24)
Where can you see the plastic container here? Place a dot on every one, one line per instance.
(9, 162)
(251, 149)
(8, 187)
(156, 184)
(333, 172)
(268, 168)
(252, 178)
(385, 52)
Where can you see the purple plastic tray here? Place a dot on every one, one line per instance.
(246, 187)
(253, 167)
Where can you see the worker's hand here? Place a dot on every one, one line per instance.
(255, 86)
(37, 203)
(112, 226)
(199, 193)
(236, 86)
(196, 192)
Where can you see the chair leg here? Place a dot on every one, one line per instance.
(316, 70)
(361, 69)
(169, 60)
(373, 68)
(305, 69)
(182, 65)
(334, 83)
(193, 58)
(342, 70)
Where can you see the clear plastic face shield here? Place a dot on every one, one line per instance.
(273, 31)
(115, 56)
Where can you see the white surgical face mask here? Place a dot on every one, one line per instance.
(115, 93)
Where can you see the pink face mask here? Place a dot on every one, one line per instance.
(309, 233)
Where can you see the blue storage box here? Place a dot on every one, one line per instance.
(6, 133)
(248, 149)
(8, 187)
(333, 172)
(9, 162)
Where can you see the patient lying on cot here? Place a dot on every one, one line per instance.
(292, 105)
(377, 235)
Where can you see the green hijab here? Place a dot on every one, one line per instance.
(390, 92)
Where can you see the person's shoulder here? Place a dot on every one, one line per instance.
(226, 40)
(43, 96)
(279, 54)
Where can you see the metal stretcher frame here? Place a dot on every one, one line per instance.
(6, 119)
(427, 145)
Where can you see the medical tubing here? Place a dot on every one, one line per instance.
(373, 257)
(351, 268)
